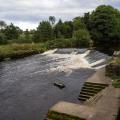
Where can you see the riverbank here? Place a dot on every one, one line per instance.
(15, 51)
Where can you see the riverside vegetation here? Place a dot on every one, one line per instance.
(113, 70)
(99, 29)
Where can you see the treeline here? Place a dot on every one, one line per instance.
(100, 29)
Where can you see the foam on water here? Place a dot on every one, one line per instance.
(75, 59)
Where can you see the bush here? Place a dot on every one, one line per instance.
(82, 38)
(61, 43)
(21, 40)
(2, 39)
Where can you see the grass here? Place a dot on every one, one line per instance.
(52, 115)
(14, 51)
(116, 81)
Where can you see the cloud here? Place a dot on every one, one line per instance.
(28, 13)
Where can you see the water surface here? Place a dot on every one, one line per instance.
(27, 90)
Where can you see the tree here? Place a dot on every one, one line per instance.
(78, 24)
(44, 32)
(12, 32)
(52, 20)
(64, 30)
(27, 35)
(2, 24)
(2, 38)
(82, 38)
(86, 19)
(105, 27)
(58, 29)
(2, 35)
(67, 29)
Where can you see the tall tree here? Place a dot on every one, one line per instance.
(67, 29)
(2, 24)
(78, 23)
(58, 29)
(12, 32)
(86, 19)
(105, 27)
(44, 32)
(82, 38)
(52, 19)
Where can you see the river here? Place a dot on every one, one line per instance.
(27, 88)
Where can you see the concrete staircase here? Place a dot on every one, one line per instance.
(91, 91)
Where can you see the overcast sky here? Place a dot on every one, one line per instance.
(28, 13)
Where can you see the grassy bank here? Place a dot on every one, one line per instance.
(14, 51)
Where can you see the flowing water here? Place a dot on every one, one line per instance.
(27, 88)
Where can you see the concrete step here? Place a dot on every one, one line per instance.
(87, 93)
(92, 88)
(98, 86)
(82, 99)
(90, 83)
(84, 96)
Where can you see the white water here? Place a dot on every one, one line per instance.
(98, 62)
(72, 61)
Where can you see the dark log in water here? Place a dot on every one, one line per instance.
(60, 85)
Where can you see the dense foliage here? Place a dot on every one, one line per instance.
(44, 32)
(82, 38)
(102, 26)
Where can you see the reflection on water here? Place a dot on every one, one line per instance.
(26, 85)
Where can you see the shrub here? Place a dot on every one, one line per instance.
(82, 38)
(61, 43)
(2, 39)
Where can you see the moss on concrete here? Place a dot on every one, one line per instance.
(52, 115)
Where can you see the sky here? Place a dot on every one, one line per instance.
(28, 13)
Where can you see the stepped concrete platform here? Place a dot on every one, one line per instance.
(105, 108)
(72, 109)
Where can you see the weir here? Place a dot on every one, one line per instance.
(77, 58)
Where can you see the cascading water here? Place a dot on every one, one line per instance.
(76, 59)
